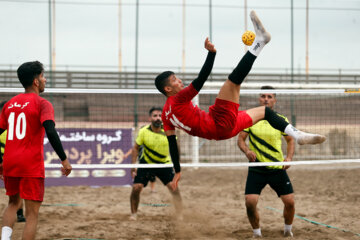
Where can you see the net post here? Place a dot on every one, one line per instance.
(195, 140)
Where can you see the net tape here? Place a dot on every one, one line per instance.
(230, 164)
(204, 91)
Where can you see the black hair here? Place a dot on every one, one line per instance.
(28, 71)
(162, 80)
(268, 87)
(154, 109)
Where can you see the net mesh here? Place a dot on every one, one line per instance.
(327, 113)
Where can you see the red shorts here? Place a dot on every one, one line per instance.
(30, 188)
(228, 119)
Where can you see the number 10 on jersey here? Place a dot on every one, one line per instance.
(20, 127)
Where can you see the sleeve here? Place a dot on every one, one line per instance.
(140, 137)
(247, 130)
(186, 95)
(46, 111)
(174, 152)
(54, 139)
(3, 122)
(205, 71)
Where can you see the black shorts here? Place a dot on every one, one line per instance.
(144, 175)
(278, 180)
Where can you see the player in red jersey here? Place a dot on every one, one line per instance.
(223, 120)
(26, 117)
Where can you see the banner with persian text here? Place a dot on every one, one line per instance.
(91, 146)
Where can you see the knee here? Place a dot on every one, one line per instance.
(15, 201)
(137, 188)
(31, 214)
(290, 204)
(250, 205)
(257, 114)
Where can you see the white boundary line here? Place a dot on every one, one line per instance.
(154, 91)
(231, 164)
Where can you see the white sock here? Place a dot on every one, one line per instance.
(256, 47)
(292, 131)
(262, 36)
(303, 137)
(6, 233)
(287, 228)
(257, 232)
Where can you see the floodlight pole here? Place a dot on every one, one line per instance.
(136, 62)
(53, 39)
(245, 22)
(292, 41)
(307, 42)
(293, 117)
(50, 43)
(120, 37)
(183, 35)
(210, 20)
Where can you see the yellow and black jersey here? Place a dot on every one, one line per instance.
(265, 141)
(155, 146)
(2, 142)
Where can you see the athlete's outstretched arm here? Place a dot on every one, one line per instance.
(175, 157)
(205, 71)
(55, 142)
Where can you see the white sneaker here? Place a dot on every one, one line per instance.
(309, 138)
(288, 234)
(261, 34)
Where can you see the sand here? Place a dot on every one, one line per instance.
(214, 208)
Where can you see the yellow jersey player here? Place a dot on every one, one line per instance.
(265, 146)
(155, 150)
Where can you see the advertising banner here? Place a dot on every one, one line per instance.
(91, 146)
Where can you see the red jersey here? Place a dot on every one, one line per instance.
(180, 112)
(23, 117)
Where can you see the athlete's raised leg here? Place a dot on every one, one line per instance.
(230, 91)
(265, 113)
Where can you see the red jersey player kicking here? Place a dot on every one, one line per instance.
(223, 120)
(26, 117)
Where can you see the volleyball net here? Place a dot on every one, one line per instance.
(94, 119)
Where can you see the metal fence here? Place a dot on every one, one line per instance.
(145, 80)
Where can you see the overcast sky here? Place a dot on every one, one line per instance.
(87, 33)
